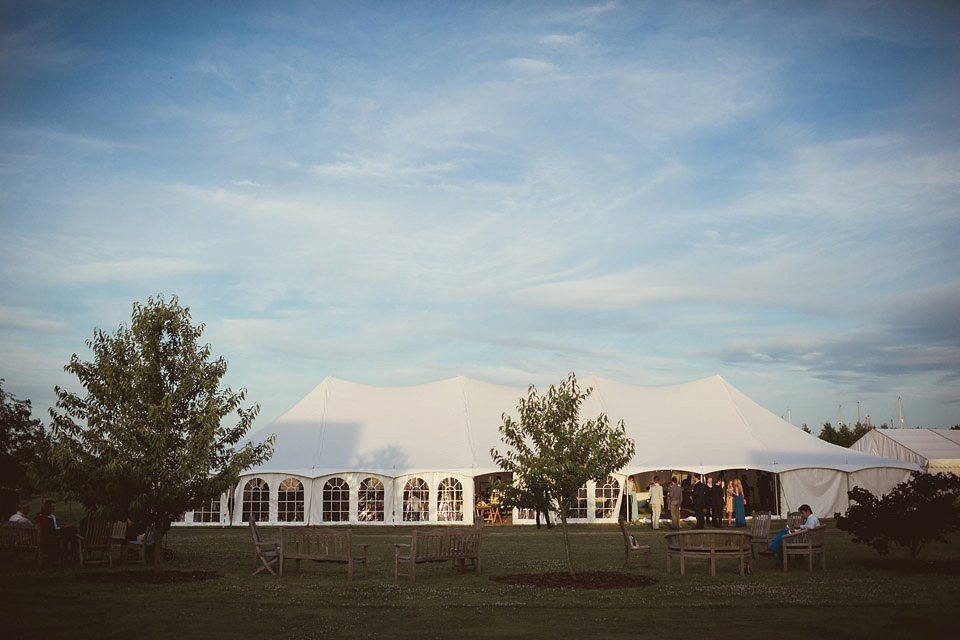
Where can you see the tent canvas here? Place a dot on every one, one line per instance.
(425, 435)
(935, 450)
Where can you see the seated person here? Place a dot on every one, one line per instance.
(48, 521)
(20, 517)
(776, 547)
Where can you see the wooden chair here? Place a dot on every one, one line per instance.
(118, 537)
(631, 546)
(266, 554)
(94, 539)
(137, 549)
(794, 520)
(760, 530)
(806, 542)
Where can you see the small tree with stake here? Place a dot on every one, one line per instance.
(553, 454)
(148, 436)
(913, 514)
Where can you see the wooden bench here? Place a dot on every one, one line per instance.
(18, 538)
(806, 542)
(322, 545)
(631, 546)
(711, 544)
(457, 544)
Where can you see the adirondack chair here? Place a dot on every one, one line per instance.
(118, 537)
(94, 540)
(806, 542)
(266, 554)
(760, 530)
(137, 549)
(631, 546)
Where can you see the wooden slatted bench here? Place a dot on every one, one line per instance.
(18, 538)
(710, 544)
(457, 544)
(322, 545)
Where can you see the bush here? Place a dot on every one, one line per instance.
(912, 515)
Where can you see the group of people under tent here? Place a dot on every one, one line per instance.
(710, 502)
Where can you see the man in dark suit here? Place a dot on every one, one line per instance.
(701, 498)
(716, 503)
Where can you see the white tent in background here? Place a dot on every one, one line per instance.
(350, 452)
(934, 450)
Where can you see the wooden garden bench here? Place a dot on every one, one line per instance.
(806, 542)
(322, 545)
(631, 546)
(457, 544)
(19, 538)
(711, 544)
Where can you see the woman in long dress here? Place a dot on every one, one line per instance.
(738, 504)
(729, 504)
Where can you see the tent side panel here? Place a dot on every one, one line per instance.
(825, 490)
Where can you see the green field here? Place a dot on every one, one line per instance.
(859, 595)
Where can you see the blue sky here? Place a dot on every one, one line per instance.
(400, 192)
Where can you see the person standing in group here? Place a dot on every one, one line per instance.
(729, 504)
(634, 507)
(701, 496)
(675, 493)
(716, 503)
(656, 501)
(739, 502)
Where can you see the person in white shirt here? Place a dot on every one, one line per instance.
(776, 547)
(20, 517)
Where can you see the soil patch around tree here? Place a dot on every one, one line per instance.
(583, 580)
(151, 577)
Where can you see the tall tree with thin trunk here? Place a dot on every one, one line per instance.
(551, 454)
(148, 437)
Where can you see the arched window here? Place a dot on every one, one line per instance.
(210, 512)
(416, 501)
(605, 496)
(256, 500)
(370, 501)
(450, 500)
(290, 501)
(336, 500)
(579, 509)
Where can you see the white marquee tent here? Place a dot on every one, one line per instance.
(935, 450)
(350, 452)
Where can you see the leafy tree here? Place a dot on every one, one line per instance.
(147, 439)
(843, 435)
(552, 454)
(24, 445)
(913, 514)
(805, 428)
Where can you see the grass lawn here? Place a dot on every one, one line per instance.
(859, 595)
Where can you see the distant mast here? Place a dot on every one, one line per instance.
(900, 409)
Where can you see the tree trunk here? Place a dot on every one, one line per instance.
(566, 540)
(158, 529)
